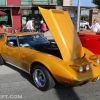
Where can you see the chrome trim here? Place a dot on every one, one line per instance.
(39, 78)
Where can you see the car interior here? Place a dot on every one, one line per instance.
(13, 42)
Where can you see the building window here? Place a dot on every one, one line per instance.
(2, 2)
(48, 2)
(38, 18)
(59, 2)
(26, 2)
(26, 14)
(41, 2)
(5, 17)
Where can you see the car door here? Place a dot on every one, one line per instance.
(12, 52)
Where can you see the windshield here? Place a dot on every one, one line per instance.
(32, 40)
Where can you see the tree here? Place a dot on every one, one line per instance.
(97, 3)
(59, 2)
(84, 17)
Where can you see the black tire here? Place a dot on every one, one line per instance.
(1, 60)
(46, 80)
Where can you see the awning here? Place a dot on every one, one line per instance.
(2, 13)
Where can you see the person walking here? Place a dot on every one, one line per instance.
(30, 25)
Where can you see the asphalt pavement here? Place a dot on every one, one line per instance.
(16, 84)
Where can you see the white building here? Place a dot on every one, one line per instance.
(67, 2)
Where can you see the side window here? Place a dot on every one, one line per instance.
(12, 41)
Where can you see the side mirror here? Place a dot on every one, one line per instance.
(11, 43)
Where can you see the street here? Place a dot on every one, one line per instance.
(17, 85)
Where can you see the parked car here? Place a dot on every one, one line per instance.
(83, 24)
(91, 41)
(65, 61)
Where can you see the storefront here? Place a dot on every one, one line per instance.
(37, 15)
(26, 14)
(33, 12)
(11, 18)
(15, 13)
(14, 17)
(5, 17)
(29, 14)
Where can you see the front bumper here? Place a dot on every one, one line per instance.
(79, 83)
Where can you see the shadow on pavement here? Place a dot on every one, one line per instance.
(62, 91)
(22, 73)
(66, 93)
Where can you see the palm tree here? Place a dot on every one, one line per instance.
(97, 3)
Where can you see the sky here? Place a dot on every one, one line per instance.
(87, 3)
(84, 3)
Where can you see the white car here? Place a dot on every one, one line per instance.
(83, 24)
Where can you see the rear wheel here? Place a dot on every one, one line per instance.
(1, 60)
(42, 78)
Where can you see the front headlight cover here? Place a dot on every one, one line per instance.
(81, 69)
(98, 60)
(87, 67)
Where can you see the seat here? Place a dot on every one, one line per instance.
(14, 41)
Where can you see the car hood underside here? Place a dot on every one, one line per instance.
(63, 31)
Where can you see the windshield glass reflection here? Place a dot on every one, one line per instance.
(32, 40)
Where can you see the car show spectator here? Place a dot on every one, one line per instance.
(43, 26)
(95, 27)
(30, 25)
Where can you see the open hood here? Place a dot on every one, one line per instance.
(63, 31)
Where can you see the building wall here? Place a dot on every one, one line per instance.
(67, 2)
(2, 2)
(13, 2)
(95, 15)
(16, 18)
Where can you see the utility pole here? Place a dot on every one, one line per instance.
(78, 15)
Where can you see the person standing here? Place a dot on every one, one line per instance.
(43, 27)
(30, 25)
(2, 30)
(95, 26)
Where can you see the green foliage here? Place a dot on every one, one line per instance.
(84, 17)
(97, 3)
(59, 2)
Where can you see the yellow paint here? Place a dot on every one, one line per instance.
(64, 70)
(63, 31)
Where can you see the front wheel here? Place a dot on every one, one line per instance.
(42, 78)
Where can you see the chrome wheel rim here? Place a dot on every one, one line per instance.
(39, 78)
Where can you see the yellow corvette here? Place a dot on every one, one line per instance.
(66, 62)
